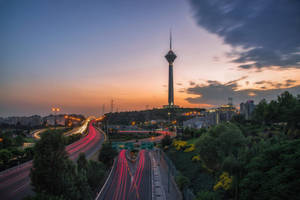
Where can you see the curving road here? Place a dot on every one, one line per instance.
(129, 180)
(15, 182)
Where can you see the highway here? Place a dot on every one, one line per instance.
(151, 139)
(79, 130)
(129, 180)
(15, 182)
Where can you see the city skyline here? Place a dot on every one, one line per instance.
(78, 56)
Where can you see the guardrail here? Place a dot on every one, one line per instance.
(187, 192)
(104, 188)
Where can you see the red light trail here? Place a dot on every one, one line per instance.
(15, 182)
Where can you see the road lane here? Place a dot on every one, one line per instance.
(15, 183)
(128, 182)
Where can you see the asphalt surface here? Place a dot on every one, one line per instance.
(129, 180)
(15, 182)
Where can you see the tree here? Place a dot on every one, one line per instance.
(107, 154)
(239, 118)
(259, 113)
(182, 182)
(82, 163)
(29, 152)
(52, 173)
(17, 152)
(219, 142)
(19, 140)
(273, 173)
(166, 141)
(5, 156)
(95, 174)
(207, 195)
(43, 196)
(83, 189)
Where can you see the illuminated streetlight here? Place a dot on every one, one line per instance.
(55, 110)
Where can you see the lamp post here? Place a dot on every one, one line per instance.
(169, 118)
(55, 110)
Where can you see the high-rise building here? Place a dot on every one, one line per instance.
(247, 108)
(170, 58)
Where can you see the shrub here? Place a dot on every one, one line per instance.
(182, 182)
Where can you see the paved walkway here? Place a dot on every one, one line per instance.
(167, 181)
(158, 192)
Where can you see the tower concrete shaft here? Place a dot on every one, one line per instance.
(171, 88)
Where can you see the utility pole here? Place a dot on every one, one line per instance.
(112, 106)
(103, 109)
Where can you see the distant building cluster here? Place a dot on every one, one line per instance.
(247, 108)
(192, 113)
(36, 120)
(212, 117)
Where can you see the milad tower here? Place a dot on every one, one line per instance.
(170, 58)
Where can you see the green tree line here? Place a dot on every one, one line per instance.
(248, 160)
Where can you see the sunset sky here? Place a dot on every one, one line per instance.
(78, 55)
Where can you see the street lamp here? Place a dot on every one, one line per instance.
(169, 117)
(55, 110)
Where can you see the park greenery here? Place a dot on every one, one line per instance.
(55, 176)
(12, 151)
(243, 159)
(16, 145)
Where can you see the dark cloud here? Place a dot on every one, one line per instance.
(275, 85)
(267, 31)
(260, 82)
(217, 93)
(289, 83)
(192, 83)
(213, 82)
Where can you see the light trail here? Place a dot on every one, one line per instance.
(15, 182)
(138, 172)
(124, 184)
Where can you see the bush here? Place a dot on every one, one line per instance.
(182, 182)
(166, 141)
(5, 156)
(207, 195)
(107, 154)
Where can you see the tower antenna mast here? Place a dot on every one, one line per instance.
(170, 39)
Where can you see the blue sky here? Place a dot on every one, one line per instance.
(81, 54)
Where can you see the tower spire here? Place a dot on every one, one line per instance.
(170, 39)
